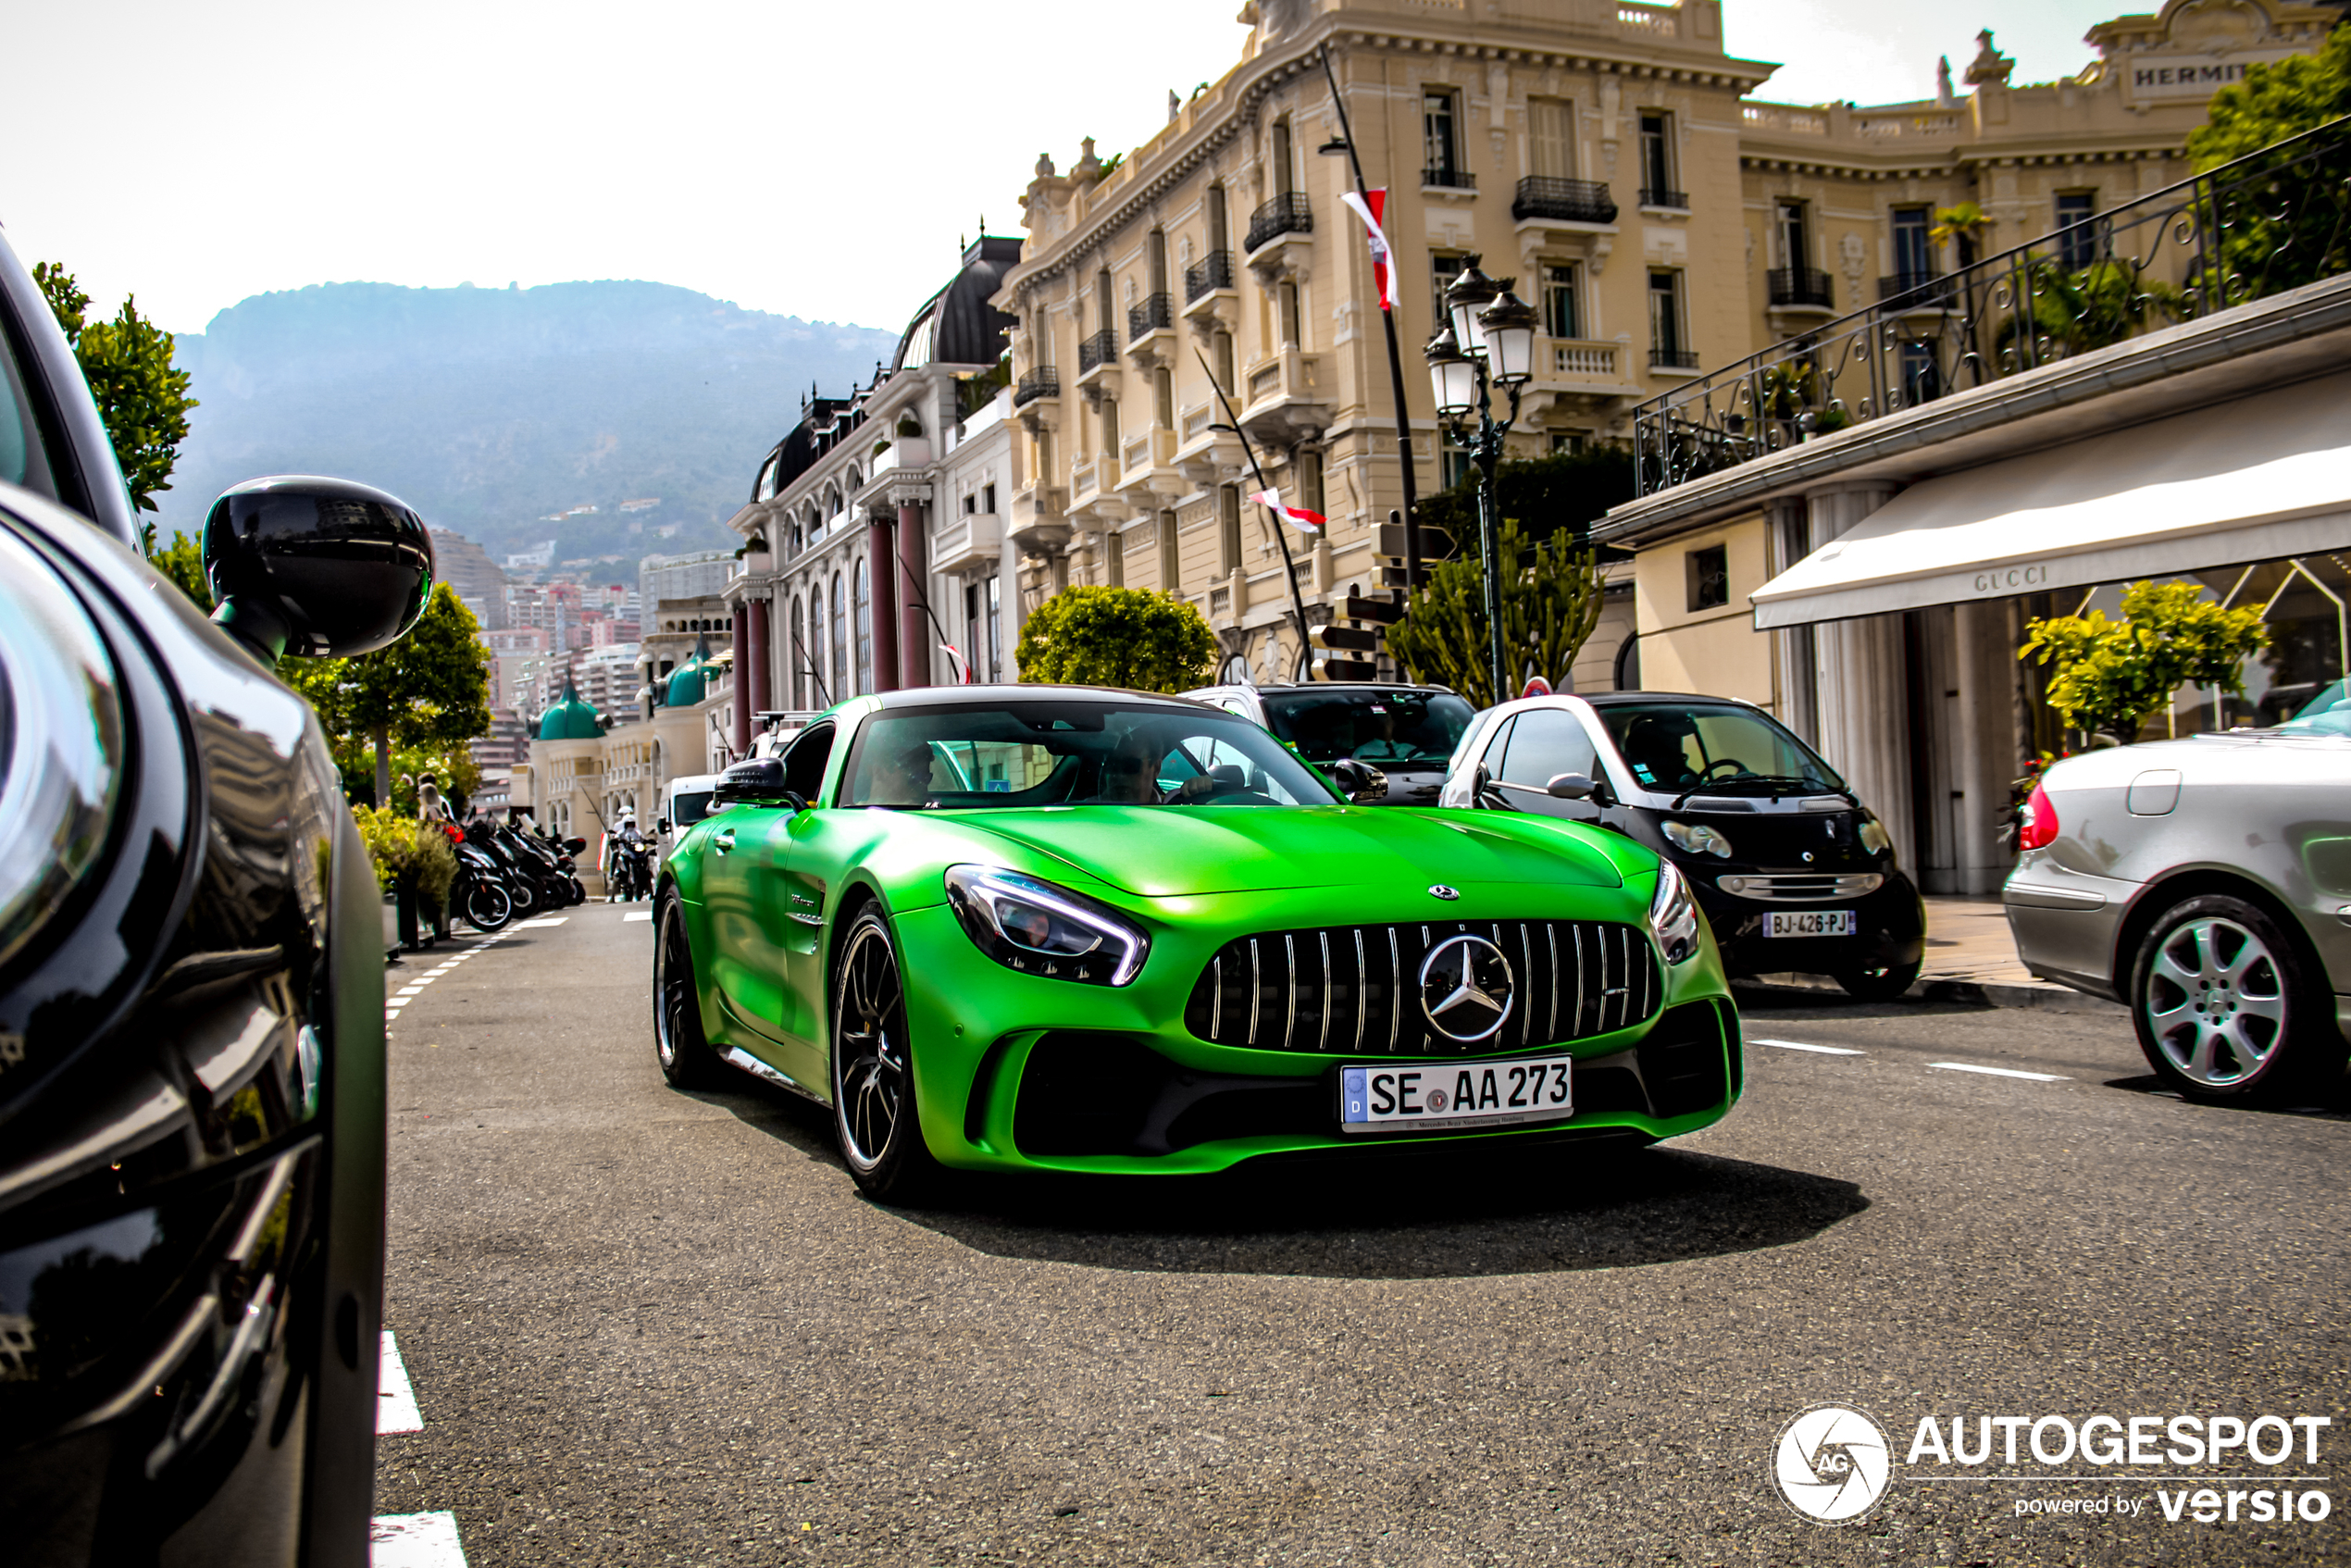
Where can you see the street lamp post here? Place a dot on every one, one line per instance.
(1487, 339)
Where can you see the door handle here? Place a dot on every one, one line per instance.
(723, 841)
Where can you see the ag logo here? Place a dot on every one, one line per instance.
(1832, 1464)
(1465, 988)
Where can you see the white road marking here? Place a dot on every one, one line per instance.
(395, 1400)
(548, 920)
(641, 914)
(2000, 1071)
(1800, 1045)
(415, 1540)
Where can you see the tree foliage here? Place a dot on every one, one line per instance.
(1551, 602)
(2274, 101)
(141, 398)
(1567, 491)
(1140, 639)
(428, 694)
(2109, 674)
(183, 562)
(403, 847)
(2284, 221)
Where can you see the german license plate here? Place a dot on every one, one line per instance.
(1470, 1094)
(1809, 922)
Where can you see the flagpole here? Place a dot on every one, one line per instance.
(1395, 358)
(1289, 568)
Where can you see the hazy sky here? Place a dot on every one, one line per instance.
(818, 161)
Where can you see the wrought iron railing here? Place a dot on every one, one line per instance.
(1214, 271)
(1566, 201)
(1096, 351)
(1798, 285)
(1148, 315)
(2264, 223)
(1286, 214)
(1653, 197)
(1043, 381)
(1448, 180)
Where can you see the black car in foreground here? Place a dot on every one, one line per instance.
(1794, 872)
(191, 1037)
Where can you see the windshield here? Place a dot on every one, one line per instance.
(1387, 729)
(2329, 712)
(1671, 747)
(1035, 753)
(688, 807)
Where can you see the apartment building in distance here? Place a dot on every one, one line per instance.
(1608, 155)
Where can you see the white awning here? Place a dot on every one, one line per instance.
(2259, 479)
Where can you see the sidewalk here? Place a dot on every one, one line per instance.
(1970, 957)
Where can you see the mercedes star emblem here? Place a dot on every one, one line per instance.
(1466, 989)
(1447, 894)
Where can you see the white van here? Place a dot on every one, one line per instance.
(687, 801)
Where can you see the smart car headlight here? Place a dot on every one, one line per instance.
(1875, 837)
(1697, 838)
(1030, 925)
(1673, 915)
(62, 743)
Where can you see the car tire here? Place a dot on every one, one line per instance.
(1881, 985)
(876, 1115)
(679, 1045)
(487, 907)
(2227, 1007)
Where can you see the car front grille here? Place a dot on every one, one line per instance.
(1800, 887)
(1355, 989)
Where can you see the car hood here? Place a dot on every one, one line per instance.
(1161, 851)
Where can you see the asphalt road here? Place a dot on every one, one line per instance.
(650, 1327)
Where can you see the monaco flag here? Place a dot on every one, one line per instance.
(1311, 521)
(1369, 206)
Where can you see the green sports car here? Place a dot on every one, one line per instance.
(1025, 928)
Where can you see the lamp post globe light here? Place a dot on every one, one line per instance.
(1488, 341)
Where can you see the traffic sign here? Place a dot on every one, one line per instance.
(1343, 669)
(1355, 607)
(1437, 544)
(1352, 638)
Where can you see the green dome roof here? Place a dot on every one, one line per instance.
(572, 718)
(689, 682)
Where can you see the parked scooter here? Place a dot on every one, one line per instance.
(480, 892)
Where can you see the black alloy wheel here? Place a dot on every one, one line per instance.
(2227, 1007)
(875, 1113)
(485, 905)
(679, 1045)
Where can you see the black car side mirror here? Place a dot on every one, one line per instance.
(1361, 782)
(757, 781)
(660, 825)
(318, 568)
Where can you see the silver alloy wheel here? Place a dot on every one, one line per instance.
(2215, 1002)
(673, 986)
(872, 1086)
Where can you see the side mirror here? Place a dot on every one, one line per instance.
(315, 567)
(1483, 793)
(1363, 783)
(1570, 787)
(660, 825)
(757, 781)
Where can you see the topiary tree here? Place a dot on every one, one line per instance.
(1143, 640)
(1551, 602)
(142, 399)
(2109, 674)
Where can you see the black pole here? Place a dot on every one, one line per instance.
(1489, 450)
(1395, 358)
(1289, 568)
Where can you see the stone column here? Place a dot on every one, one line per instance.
(914, 635)
(1862, 678)
(1986, 661)
(1789, 537)
(755, 672)
(741, 737)
(882, 576)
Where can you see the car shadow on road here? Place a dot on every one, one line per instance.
(2332, 1104)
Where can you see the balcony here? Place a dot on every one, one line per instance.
(1562, 201)
(1039, 526)
(1917, 291)
(1042, 382)
(967, 542)
(1091, 480)
(1673, 201)
(1147, 476)
(1798, 287)
(1286, 399)
(1095, 353)
(1286, 214)
(1579, 359)
(1447, 179)
(1153, 313)
(1214, 271)
(1673, 360)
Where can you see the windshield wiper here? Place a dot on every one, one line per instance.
(1803, 785)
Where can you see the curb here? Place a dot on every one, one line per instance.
(1971, 993)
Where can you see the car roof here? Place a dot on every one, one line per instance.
(1618, 699)
(979, 696)
(1288, 686)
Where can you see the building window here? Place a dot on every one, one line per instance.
(799, 641)
(971, 502)
(1443, 267)
(1563, 315)
(1709, 577)
(1284, 181)
(1570, 441)
(1440, 111)
(1657, 161)
(1287, 295)
(995, 628)
(1921, 375)
(1164, 398)
(1114, 559)
(1668, 340)
(1102, 301)
(1913, 248)
(1452, 465)
(2077, 248)
(1170, 567)
(1229, 530)
(1218, 242)
(1223, 346)
(1796, 243)
(1550, 139)
(864, 629)
(1308, 466)
(988, 498)
(1110, 432)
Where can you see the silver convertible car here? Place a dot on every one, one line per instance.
(2206, 884)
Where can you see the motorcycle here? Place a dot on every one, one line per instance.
(630, 873)
(480, 894)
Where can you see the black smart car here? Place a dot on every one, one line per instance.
(191, 1033)
(1794, 872)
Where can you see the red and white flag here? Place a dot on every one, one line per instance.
(1369, 206)
(956, 661)
(1311, 521)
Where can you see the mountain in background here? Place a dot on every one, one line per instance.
(493, 410)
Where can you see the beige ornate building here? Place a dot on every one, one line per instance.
(1607, 154)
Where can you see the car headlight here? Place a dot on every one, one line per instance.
(1875, 837)
(1030, 925)
(1697, 838)
(1673, 915)
(62, 743)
